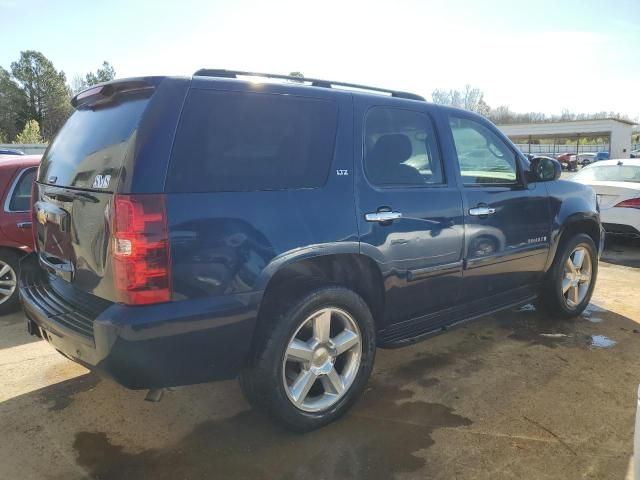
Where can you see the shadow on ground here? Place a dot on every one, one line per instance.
(413, 394)
(622, 251)
(13, 331)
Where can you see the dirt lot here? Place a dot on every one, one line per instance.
(515, 395)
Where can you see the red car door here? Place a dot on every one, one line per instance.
(15, 216)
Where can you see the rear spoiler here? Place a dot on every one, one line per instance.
(107, 92)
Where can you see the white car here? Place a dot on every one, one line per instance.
(584, 158)
(617, 185)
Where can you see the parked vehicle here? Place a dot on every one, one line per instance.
(196, 229)
(635, 154)
(584, 158)
(617, 184)
(10, 151)
(601, 156)
(16, 177)
(568, 161)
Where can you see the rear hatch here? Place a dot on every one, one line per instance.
(78, 177)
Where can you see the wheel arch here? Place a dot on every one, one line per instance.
(291, 276)
(574, 224)
(13, 249)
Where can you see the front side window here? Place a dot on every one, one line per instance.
(401, 149)
(483, 157)
(231, 141)
(21, 196)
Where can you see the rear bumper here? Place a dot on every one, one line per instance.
(177, 343)
(621, 221)
(621, 230)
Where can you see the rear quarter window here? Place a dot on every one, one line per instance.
(20, 200)
(235, 141)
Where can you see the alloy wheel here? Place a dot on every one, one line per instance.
(577, 276)
(322, 359)
(8, 281)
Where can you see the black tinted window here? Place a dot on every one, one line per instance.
(21, 197)
(94, 141)
(229, 141)
(401, 148)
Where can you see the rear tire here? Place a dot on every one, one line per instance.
(570, 282)
(9, 262)
(315, 360)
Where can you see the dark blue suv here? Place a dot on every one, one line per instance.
(279, 230)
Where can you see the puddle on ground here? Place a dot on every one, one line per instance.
(600, 341)
(529, 307)
(378, 439)
(590, 310)
(593, 319)
(536, 328)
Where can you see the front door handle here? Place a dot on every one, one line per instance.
(482, 211)
(23, 225)
(382, 217)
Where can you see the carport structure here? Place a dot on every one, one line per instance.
(618, 131)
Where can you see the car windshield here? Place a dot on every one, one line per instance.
(610, 173)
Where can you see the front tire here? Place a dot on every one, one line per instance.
(315, 361)
(572, 277)
(8, 281)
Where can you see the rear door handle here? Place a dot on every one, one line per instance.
(23, 225)
(381, 217)
(482, 211)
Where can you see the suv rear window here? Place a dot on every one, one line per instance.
(231, 141)
(94, 141)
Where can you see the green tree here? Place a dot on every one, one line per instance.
(297, 75)
(102, 74)
(13, 106)
(30, 133)
(78, 83)
(470, 98)
(45, 89)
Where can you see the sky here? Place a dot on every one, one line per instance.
(541, 55)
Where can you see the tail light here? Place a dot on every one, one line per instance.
(140, 249)
(631, 203)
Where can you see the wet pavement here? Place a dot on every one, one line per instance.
(514, 395)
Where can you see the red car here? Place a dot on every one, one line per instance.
(566, 161)
(16, 177)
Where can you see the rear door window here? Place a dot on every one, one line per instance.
(93, 142)
(234, 141)
(401, 149)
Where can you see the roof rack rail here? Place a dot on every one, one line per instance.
(314, 82)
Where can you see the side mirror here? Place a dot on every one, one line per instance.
(544, 169)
